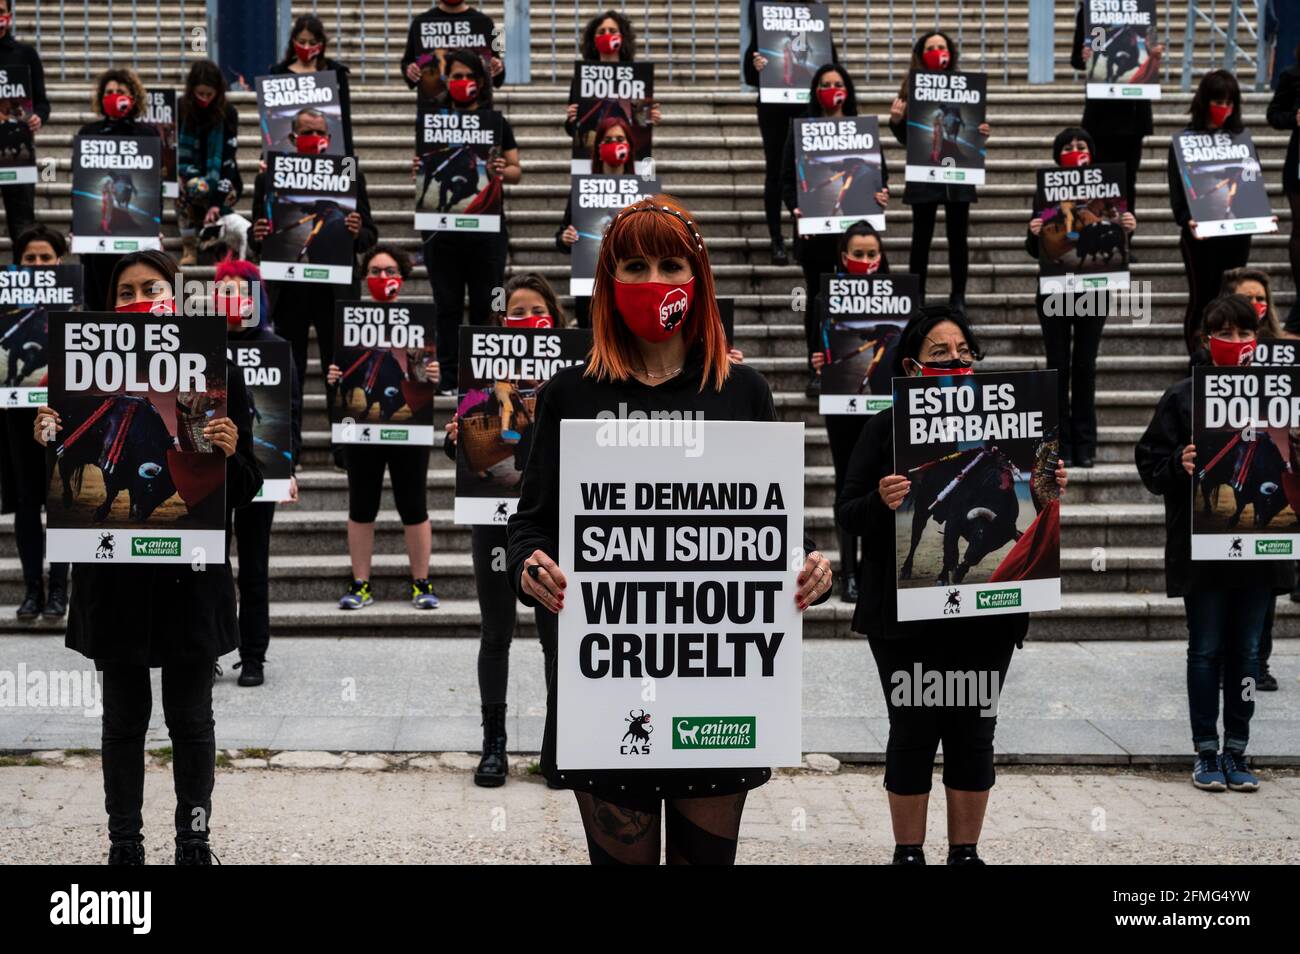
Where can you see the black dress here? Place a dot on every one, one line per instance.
(535, 526)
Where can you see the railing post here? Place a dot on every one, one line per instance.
(1189, 44)
(1262, 79)
(1042, 30)
(1230, 40)
(518, 58)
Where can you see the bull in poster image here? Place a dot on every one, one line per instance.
(979, 532)
(454, 192)
(268, 383)
(605, 90)
(1223, 182)
(116, 194)
(796, 40)
(133, 477)
(281, 98)
(944, 113)
(838, 167)
(1246, 479)
(309, 199)
(1119, 38)
(1082, 244)
(17, 148)
(385, 395)
(27, 296)
(863, 317)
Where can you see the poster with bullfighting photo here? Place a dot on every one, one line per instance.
(681, 541)
(1246, 477)
(308, 201)
(863, 317)
(944, 113)
(385, 395)
(795, 38)
(1224, 183)
(1082, 245)
(838, 168)
(501, 370)
(160, 113)
(17, 148)
(979, 532)
(116, 194)
(436, 33)
(268, 384)
(1118, 36)
(593, 203)
(27, 295)
(133, 478)
(605, 90)
(453, 189)
(281, 98)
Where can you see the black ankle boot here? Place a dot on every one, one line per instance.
(908, 855)
(250, 671)
(56, 604)
(193, 851)
(492, 768)
(779, 254)
(848, 567)
(30, 607)
(126, 853)
(963, 855)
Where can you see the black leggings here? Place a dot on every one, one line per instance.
(252, 527)
(408, 467)
(459, 263)
(27, 459)
(1205, 261)
(957, 227)
(498, 609)
(774, 127)
(1293, 248)
(700, 831)
(187, 709)
(1072, 345)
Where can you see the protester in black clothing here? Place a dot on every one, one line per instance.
(530, 303)
(468, 261)
(130, 619)
(1284, 113)
(207, 148)
(774, 129)
(305, 53)
(20, 198)
(120, 92)
(1075, 362)
(607, 38)
(831, 96)
(651, 246)
(936, 341)
(1226, 601)
(936, 51)
(446, 27)
(23, 480)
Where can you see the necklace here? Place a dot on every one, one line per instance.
(654, 377)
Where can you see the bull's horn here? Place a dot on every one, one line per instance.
(149, 470)
(390, 392)
(1268, 488)
(983, 513)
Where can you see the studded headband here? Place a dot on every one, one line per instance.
(699, 242)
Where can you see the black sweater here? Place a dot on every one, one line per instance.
(1281, 115)
(478, 37)
(13, 53)
(1109, 118)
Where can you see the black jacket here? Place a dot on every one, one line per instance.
(117, 127)
(481, 29)
(149, 615)
(247, 335)
(1281, 115)
(1109, 118)
(13, 53)
(1159, 455)
(345, 96)
(859, 510)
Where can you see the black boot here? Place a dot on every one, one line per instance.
(779, 254)
(848, 567)
(250, 671)
(193, 851)
(963, 855)
(492, 768)
(908, 855)
(30, 607)
(56, 605)
(126, 853)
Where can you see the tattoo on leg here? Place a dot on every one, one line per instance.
(625, 826)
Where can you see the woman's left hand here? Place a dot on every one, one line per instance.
(1129, 221)
(496, 167)
(293, 490)
(984, 130)
(353, 222)
(495, 66)
(433, 370)
(814, 580)
(882, 198)
(223, 434)
(656, 115)
(735, 356)
(34, 123)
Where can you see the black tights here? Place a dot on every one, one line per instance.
(700, 831)
(1294, 249)
(957, 226)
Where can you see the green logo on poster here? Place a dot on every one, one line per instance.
(8, 175)
(1242, 227)
(156, 546)
(714, 732)
(124, 245)
(467, 223)
(879, 404)
(393, 434)
(37, 397)
(1132, 91)
(323, 273)
(955, 175)
(1272, 548)
(1095, 282)
(998, 599)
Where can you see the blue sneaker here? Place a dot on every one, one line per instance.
(1207, 776)
(357, 596)
(422, 596)
(1240, 777)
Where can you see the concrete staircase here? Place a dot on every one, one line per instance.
(708, 153)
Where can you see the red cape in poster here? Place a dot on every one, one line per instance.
(116, 194)
(454, 192)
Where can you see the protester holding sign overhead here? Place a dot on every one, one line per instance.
(20, 198)
(207, 156)
(659, 347)
(308, 43)
(177, 616)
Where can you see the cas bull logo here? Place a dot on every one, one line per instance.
(1234, 548)
(104, 551)
(952, 606)
(500, 515)
(636, 740)
(672, 309)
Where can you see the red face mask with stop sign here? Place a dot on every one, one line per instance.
(1261, 309)
(160, 306)
(117, 105)
(614, 153)
(861, 266)
(936, 59)
(1075, 158)
(529, 321)
(307, 52)
(832, 97)
(1231, 354)
(311, 144)
(463, 90)
(1219, 115)
(384, 287)
(654, 311)
(609, 43)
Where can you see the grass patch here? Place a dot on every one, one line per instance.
(10, 761)
(223, 760)
(163, 755)
(534, 768)
(257, 753)
(84, 753)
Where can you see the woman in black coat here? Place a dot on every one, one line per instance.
(130, 619)
(937, 341)
(1284, 113)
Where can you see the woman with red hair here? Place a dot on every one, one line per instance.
(650, 360)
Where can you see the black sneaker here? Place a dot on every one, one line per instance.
(779, 254)
(126, 853)
(250, 672)
(1267, 681)
(963, 855)
(908, 855)
(56, 604)
(194, 851)
(30, 607)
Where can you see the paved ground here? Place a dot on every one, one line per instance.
(1083, 703)
(435, 814)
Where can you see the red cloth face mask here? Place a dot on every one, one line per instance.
(1261, 309)
(936, 59)
(235, 309)
(1075, 158)
(160, 306)
(831, 97)
(306, 54)
(384, 287)
(117, 105)
(614, 153)
(529, 321)
(6, 21)
(609, 42)
(936, 369)
(654, 311)
(463, 90)
(1219, 115)
(311, 144)
(203, 101)
(862, 266)
(1231, 354)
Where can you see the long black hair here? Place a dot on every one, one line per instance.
(918, 61)
(863, 229)
(1216, 84)
(850, 94)
(918, 329)
(475, 63)
(316, 28)
(203, 73)
(153, 258)
(626, 52)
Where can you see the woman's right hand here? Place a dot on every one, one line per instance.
(1189, 458)
(897, 110)
(261, 229)
(333, 375)
(894, 489)
(818, 360)
(1035, 226)
(1191, 224)
(569, 236)
(413, 72)
(571, 113)
(760, 61)
(452, 430)
(48, 423)
(548, 586)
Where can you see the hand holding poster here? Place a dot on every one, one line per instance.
(944, 113)
(281, 98)
(979, 532)
(500, 372)
(1246, 476)
(604, 90)
(1118, 37)
(160, 112)
(267, 382)
(796, 40)
(385, 394)
(837, 162)
(134, 479)
(862, 324)
(454, 192)
(27, 296)
(683, 570)
(116, 194)
(308, 201)
(1082, 244)
(593, 203)
(17, 150)
(1223, 182)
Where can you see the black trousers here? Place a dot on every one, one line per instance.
(187, 709)
(20, 209)
(460, 263)
(1125, 149)
(408, 469)
(957, 228)
(298, 308)
(842, 433)
(818, 255)
(499, 610)
(252, 526)
(774, 128)
(30, 483)
(1071, 345)
(1205, 261)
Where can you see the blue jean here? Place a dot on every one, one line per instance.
(1223, 629)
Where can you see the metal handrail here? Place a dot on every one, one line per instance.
(1233, 53)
